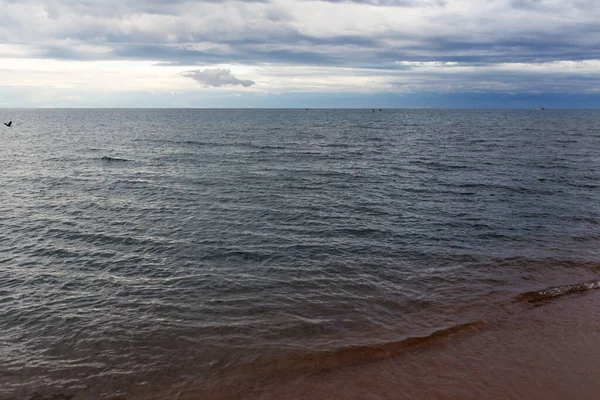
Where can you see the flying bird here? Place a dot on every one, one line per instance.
(9, 124)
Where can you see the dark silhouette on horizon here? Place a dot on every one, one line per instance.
(9, 124)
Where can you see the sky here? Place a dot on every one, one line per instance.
(300, 53)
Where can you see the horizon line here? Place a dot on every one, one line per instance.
(300, 108)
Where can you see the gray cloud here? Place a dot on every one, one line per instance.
(217, 77)
(253, 31)
(332, 33)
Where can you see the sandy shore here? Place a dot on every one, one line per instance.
(542, 350)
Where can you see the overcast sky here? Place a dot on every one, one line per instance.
(300, 53)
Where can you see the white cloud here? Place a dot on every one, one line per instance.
(427, 63)
(217, 77)
(130, 76)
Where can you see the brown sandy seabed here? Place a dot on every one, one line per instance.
(545, 345)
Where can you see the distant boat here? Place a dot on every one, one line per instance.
(542, 108)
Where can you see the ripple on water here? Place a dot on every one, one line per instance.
(151, 253)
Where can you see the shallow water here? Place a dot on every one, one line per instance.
(147, 249)
(546, 352)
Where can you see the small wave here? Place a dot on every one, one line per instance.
(359, 354)
(115, 159)
(440, 166)
(558, 291)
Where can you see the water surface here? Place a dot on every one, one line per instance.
(146, 250)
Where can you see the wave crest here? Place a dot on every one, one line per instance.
(358, 354)
(558, 291)
(106, 158)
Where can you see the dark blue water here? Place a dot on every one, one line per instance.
(153, 250)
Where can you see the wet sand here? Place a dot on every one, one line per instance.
(548, 349)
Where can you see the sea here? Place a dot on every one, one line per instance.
(158, 253)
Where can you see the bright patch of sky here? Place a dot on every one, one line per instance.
(178, 53)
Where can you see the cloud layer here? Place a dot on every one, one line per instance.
(217, 78)
(507, 46)
(305, 32)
